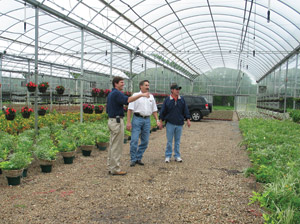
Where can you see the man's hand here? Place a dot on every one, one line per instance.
(188, 123)
(160, 125)
(128, 126)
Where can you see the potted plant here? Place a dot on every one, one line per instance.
(102, 140)
(106, 92)
(26, 111)
(99, 109)
(60, 90)
(95, 92)
(13, 168)
(88, 108)
(10, 113)
(43, 87)
(31, 86)
(87, 142)
(42, 111)
(46, 154)
(67, 147)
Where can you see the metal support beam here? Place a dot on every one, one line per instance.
(296, 81)
(36, 51)
(81, 77)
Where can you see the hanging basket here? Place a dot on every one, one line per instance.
(26, 115)
(41, 112)
(60, 91)
(31, 89)
(42, 89)
(10, 117)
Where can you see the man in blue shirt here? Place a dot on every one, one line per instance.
(115, 103)
(174, 111)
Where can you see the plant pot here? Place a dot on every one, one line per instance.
(86, 153)
(46, 168)
(68, 157)
(68, 160)
(26, 115)
(41, 112)
(0, 171)
(24, 174)
(13, 181)
(60, 91)
(98, 111)
(13, 176)
(10, 117)
(129, 138)
(125, 140)
(42, 89)
(102, 145)
(31, 89)
(87, 149)
(95, 94)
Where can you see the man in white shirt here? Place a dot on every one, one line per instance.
(140, 125)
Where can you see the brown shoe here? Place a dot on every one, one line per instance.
(120, 173)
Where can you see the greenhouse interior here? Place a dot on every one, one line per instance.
(240, 55)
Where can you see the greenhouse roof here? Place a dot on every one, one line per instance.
(196, 36)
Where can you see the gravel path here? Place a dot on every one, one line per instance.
(208, 187)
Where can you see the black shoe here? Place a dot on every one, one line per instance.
(132, 163)
(139, 162)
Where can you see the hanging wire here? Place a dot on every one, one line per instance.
(269, 12)
(24, 17)
(254, 30)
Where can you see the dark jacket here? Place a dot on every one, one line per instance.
(174, 112)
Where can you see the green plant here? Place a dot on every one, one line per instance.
(17, 161)
(45, 153)
(66, 144)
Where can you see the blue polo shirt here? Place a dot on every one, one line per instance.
(115, 103)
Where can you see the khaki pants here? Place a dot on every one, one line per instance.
(115, 144)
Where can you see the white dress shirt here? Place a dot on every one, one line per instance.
(144, 106)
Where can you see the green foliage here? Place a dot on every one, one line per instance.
(66, 144)
(275, 155)
(17, 161)
(295, 115)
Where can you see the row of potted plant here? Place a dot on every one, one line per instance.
(100, 92)
(19, 151)
(42, 87)
(10, 113)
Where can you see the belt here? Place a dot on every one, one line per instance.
(138, 115)
(115, 117)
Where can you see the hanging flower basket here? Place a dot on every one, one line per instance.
(10, 114)
(60, 90)
(31, 86)
(26, 111)
(42, 111)
(88, 108)
(95, 92)
(106, 92)
(43, 87)
(99, 109)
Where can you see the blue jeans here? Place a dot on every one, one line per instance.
(173, 131)
(140, 126)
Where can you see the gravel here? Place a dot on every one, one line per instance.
(208, 187)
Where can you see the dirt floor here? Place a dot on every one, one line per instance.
(208, 187)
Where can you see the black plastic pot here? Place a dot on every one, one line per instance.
(14, 180)
(68, 160)
(46, 168)
(86, 152)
